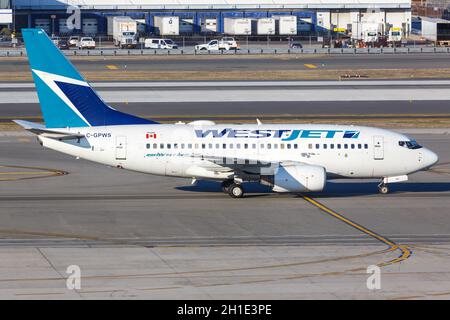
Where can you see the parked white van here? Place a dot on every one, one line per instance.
(160, 44)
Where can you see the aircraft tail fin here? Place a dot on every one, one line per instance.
(66, 99)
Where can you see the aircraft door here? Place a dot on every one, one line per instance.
(121, 148)
(378, 148)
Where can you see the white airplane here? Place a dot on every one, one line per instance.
(287, 157)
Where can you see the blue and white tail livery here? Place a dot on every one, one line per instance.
(66, 99)
(287, 157)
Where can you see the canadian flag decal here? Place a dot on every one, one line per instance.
(149, 135)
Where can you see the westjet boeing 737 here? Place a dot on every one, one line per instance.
(287, 157)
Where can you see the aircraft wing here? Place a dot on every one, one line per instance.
(40, 129)
(245, 165)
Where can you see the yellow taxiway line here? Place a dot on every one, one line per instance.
(310, 66)
(405, 251)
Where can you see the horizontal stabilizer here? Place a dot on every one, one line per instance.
(40, 129)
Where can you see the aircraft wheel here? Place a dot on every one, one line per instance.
(383, 189)
(235, 191)
(226, 184)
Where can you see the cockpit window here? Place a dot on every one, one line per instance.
(412, 144)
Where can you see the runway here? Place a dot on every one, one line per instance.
(266, 111)
(253, 63)
(255, 92)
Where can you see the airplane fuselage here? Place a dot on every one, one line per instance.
(185, 150)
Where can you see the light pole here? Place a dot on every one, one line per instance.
(53, 24)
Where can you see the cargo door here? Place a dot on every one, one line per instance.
(121, 148)
(187, 26)
(209, 25)
(378, 148)
(90, 26)
(304, 24)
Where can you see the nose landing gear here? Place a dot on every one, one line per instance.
(383, 188)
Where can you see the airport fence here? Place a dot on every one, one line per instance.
(252, 51)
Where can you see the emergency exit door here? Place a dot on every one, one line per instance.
(121, 148)
(378, 148)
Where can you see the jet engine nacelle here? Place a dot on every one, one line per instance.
(296, 178)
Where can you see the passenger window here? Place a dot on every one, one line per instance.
(196, 146)
(324, 145)
(338, 145)
(175, 145)
(155, 146)
(366, 146)
(317, 146)
(288, 146)
(231, 146)
(332, 146)
(359, 146)
(345, 146)
(254, 146)
(224, 146)
(275, 145)
(310, 146)
(148, 145)
(295, 146)
(353, 146)
(210, 145)
(161, 146)
(245, 146)
(217, 146)
(269, 146)
(238, 146)
(168, 146)
(190, 146)
(182, 146)
(282, 146)
(203, 146)
(261, 146)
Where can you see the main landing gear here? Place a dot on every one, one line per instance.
(383, 187)
(233, 189)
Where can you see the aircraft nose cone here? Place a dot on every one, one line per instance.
(431, 158)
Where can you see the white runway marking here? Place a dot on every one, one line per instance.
(325, 94)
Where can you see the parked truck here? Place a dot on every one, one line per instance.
(286, 25)
(226, 43)
(265, 26)
(167, 25)
(436, 30)
(370, 32)
(395, 37)
(124, 31)
(238, 26)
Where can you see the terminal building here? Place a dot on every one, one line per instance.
(215, 16)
